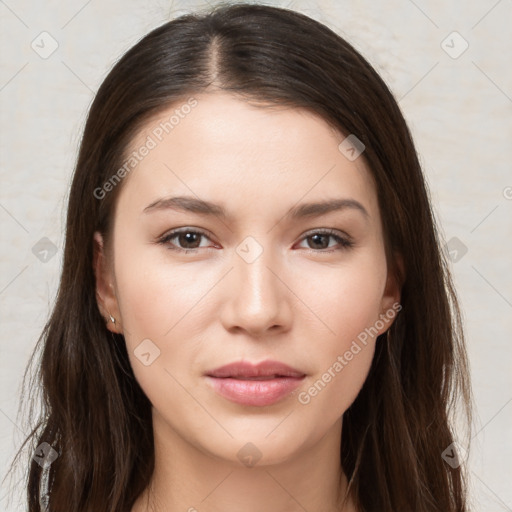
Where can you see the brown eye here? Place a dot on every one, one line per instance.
(319, 241)
(186, 239)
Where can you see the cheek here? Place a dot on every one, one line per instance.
(156, 296)
(347, 302)
(342, 357)
(344, 300)
(159, 309)
(159, 304)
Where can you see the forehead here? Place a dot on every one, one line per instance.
(245, 154)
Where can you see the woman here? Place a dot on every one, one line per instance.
(254, 311)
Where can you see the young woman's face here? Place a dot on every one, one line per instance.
(259, 282)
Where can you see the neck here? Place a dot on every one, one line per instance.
(188, 479)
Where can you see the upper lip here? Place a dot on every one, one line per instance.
(263, 369)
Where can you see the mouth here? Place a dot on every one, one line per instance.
(260, 384)
(265, 370)
(269, 377)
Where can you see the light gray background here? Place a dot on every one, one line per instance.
(459, 110)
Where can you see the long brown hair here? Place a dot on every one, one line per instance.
(95, 415)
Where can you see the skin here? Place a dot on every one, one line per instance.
(295, 303)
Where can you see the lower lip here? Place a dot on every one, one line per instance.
(255, 392)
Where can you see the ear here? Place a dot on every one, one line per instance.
(105, 292)
(390, 304)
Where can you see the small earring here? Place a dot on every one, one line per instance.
(112, 319)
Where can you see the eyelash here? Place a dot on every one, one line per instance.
(345, 243)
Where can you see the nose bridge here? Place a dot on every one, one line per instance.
(256, 282)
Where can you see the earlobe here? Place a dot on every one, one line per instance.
(105, 295)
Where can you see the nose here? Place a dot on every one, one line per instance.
(258, 298)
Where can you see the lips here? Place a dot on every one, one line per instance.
(262, 371)
(255, 384)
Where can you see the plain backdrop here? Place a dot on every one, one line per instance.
(448, 64)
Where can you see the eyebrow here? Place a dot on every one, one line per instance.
(304, 210)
